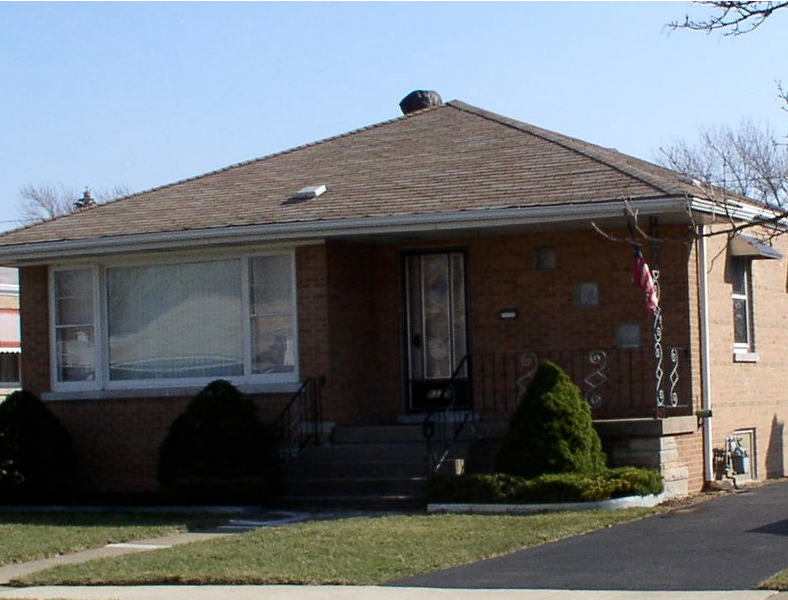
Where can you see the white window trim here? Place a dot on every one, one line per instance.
(101, 321)
(746, 348)
(53, 349)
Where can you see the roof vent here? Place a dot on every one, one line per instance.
(312, 191)
(419, 100)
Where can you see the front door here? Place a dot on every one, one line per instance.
(436, 328)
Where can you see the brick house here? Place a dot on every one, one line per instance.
(423, 265)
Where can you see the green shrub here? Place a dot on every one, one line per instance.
(551, 487)
(36, 452)
(216, 447)
(551, 431)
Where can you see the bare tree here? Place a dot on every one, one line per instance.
(732, 18)
(47, 201)
(748, 161)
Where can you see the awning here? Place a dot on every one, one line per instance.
(750, 247)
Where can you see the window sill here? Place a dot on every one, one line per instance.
(169, 392)
(745, 357)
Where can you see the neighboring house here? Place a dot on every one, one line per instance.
(10, 345)
(448, 233)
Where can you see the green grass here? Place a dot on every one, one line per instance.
(776, 582)
(32, 536)
(348, 551)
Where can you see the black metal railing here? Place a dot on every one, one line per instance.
(299, 423)
(618, 383)
(442, 427)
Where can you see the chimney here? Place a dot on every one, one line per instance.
(419, 100)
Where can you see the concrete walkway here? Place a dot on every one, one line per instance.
(14, 571)
(283, 592)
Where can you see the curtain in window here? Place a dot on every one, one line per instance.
(175, 321)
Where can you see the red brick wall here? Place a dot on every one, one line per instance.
(751, 395)
(350, 330)
(34, 323)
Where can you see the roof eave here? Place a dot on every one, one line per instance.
(306, 232)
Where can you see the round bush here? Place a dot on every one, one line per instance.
(36, 452)
(218, 450)
(551, 431)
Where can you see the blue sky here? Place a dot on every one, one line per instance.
(143, 94)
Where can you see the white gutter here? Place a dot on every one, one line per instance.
(367, 226)
(705, 360)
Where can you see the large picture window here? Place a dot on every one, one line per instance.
(176, 323)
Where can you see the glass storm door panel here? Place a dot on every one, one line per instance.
(437, 340)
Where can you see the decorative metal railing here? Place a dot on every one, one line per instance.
(617, 383)
(299, 423)
(443, 427)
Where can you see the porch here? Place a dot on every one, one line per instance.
(633, 394)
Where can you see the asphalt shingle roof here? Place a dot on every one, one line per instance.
(446, 159)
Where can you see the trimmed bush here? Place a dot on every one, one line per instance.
(36, 452)
(218, 451)
(551, 431)
(553, 487)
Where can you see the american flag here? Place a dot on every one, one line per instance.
(641, 277)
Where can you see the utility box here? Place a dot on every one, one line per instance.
(741, 464)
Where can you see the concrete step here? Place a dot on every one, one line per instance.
(347, 453)
(378, 434)
(357, 469)
(369, 486)
(400, 503)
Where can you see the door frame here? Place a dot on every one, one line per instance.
(466, 387)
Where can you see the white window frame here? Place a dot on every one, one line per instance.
(94, 384)
(101, 323)
(748, 347)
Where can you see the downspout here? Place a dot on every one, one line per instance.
(705, 360)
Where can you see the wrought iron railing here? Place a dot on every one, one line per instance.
(617, 382)
(299, 423)
(443, 427)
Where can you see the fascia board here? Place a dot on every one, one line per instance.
(306, 232)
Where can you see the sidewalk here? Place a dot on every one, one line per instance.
(284, 592)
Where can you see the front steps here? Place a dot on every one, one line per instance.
(361, 468)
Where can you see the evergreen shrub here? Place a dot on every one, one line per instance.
(218, 451)
(553, 487)
(551, 430)
(37, 461)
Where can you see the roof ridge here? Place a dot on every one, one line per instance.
(587, 149)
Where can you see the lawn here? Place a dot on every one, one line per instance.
(357, 551)
(776, 582)
(31, 536)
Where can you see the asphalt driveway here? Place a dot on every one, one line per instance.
(729, 543)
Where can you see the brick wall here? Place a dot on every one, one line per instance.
(751, 395)
(350, 323)
(34, 325)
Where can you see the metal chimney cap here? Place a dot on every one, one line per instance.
(419, 100)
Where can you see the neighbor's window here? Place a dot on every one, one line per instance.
(9, 369)
(176, 323)
(75, 328)
(741, 295)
